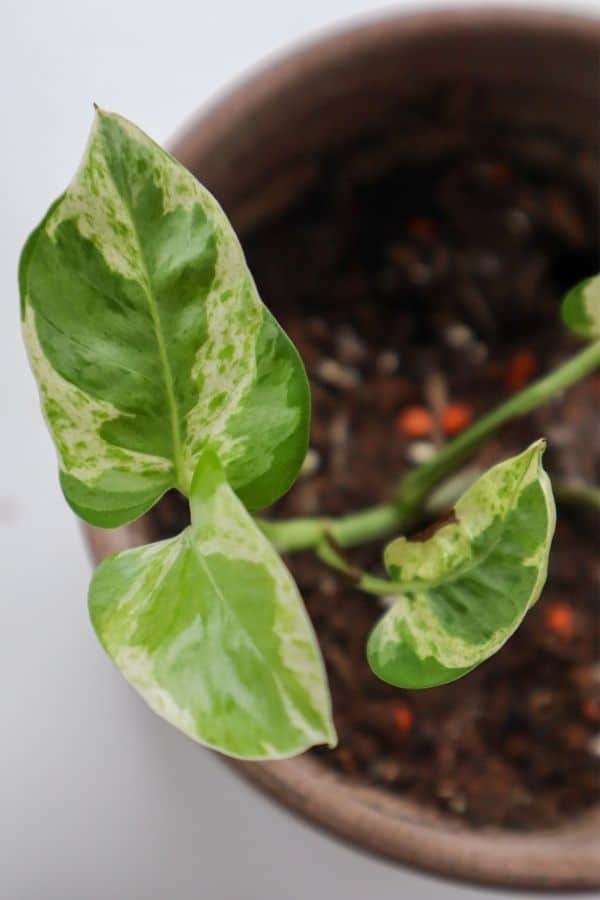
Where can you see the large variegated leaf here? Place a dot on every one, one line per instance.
(210, 629)
(581, 308)
(467, 588)
(149, 341)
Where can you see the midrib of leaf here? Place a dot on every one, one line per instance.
(170, 390)
(162, 352)
(233, 612)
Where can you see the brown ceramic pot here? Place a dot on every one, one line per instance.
(254, 150)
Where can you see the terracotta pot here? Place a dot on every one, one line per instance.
(254, 150)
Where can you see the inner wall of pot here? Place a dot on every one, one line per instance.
(365, 88)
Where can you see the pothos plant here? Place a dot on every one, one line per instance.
(159, 367)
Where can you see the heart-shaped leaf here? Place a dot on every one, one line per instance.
(149, 341)
(210, 629)
(467, 588)
(581, 308)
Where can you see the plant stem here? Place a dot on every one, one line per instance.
(368, 524)
(577, 493)
(416, 485)
(371, 584)
(379, 521)
(347, 531)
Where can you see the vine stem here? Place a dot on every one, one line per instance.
(375, 522)
(416, 485)
(371, 584)
(577, 493)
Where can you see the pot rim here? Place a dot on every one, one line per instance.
(371, 818)
(261, 84)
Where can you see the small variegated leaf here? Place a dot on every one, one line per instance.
(210, 628)
(581, 308)
(466, 589)
(148, 338)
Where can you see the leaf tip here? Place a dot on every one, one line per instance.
(102, 115)
(535, 452)
(539, 446)
(99, 111)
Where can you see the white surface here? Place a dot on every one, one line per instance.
(99, 799)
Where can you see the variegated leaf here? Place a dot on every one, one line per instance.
(467, 588)
(149, 341)
(210, 629)
(581, 308)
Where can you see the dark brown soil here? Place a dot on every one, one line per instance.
(436, 282)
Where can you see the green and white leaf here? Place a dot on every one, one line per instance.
(148, 338)
(210, 629)
(581, 308)
(467, 588)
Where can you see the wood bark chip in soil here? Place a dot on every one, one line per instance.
(431, 284)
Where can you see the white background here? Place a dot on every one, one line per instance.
(99, 799)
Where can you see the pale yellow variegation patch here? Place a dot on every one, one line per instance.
(429, 637)
(93, 202)
(225, 365)
(137, 666)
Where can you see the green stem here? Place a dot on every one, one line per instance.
(371, 584)
(415, 486)
(576, 493)
(347, 531)
(385, 519)
(369, 524)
